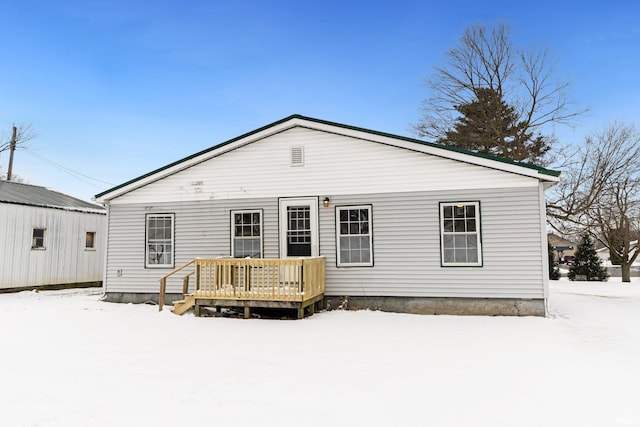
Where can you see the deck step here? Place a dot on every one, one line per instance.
(182, 306)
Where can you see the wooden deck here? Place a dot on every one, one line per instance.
(293, 283)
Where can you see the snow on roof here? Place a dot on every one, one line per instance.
(34, 195)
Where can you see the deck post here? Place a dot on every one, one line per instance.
(247, 312)
(196, 287)
(185, 285)
(163, 290)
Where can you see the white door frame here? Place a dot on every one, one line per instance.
(312, 203)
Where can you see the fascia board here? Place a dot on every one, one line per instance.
(191, 161)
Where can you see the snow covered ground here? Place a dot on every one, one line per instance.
(68, 359)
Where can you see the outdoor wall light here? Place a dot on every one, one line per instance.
(325, 202)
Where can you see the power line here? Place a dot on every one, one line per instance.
(75, 174)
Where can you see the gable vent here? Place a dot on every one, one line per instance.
(297, 156)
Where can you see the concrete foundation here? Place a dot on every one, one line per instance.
(54, 287)
(455, 306)
(412, 305)
(135, 298)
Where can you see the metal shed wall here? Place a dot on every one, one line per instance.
(64, 259)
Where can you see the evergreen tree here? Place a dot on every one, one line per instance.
(554, 271)
(489, 125)
(587, 262)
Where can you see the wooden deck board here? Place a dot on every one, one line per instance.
(249, 304)
(292, 283)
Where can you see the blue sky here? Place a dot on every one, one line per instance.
(116, 89)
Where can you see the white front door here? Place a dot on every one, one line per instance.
(299, 227)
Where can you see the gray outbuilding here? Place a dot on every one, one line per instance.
(48, 238)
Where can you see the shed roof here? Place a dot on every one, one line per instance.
(34, 195)
(454, 153)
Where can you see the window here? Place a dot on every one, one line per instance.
(354, 236)
(246, 234)
(90, 240)
(37, 240)
(299, 231)
(460, 242)
(159, 240)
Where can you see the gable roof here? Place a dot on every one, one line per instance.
(296, 120)
(34, 195)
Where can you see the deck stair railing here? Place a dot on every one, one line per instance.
(256, 279)
(185, 282)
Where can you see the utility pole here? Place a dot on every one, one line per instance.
(12, 148)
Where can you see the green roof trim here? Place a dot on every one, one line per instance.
(540, 169)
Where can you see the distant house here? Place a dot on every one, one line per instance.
(564, 250)
(399, 224)
(605, 255)
(48, 238)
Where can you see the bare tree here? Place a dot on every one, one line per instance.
(14, 177)
(485, 58)
(601, 193)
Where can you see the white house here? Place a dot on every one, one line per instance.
(48, 238)
(401, 224)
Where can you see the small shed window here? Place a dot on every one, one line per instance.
(460, 238)
(37, 240)
(90, 240)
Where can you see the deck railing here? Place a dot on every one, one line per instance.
(163, 282)
(290, 279)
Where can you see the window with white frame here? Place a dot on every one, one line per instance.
(354, 236)
(246, 234)
(160, 240)
(460, 242)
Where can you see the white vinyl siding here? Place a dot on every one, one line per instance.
(407, 247)
(333, 164)
(203, 230)
(354, 236)
(404, 186)
(460, 237)
(407, 244)
(159, 244)
(246, 237)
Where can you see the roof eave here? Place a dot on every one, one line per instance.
(548, 176)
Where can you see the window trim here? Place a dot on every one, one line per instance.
(478, 232)
(283, 203)
(146, 240)
(339, 263)
(44, 238)
(232, 228)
